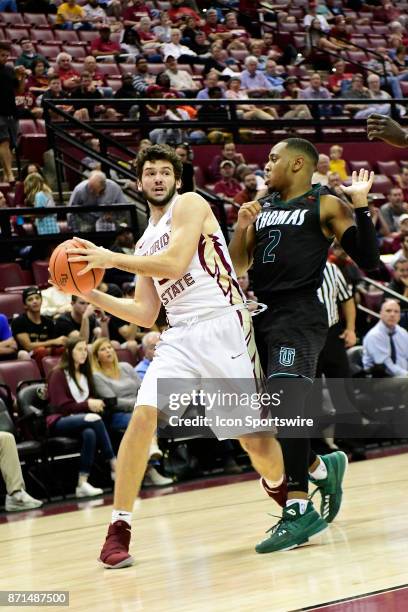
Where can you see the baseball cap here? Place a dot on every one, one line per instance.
(227, 162)
(123, 229)
(402, 218)
(33, 290)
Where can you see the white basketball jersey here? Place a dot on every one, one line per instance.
(210, 283)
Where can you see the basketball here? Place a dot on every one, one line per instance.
(65, 274)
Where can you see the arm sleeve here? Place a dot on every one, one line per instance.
(360, 241)
(60, 397)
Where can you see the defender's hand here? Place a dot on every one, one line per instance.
(360, 187)
(386, 129)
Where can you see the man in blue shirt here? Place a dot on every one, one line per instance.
(149, 342)
(386, 344)
(8, 346)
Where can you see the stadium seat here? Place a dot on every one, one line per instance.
(357, 165)
(11, 304)
(40, 271)
(15, 372)
(37, 20)
(15, 34)
(154, 68)
(363, 29)
(87, 35)
(48, 364)
(11, 275)
(43, 36)
(357, 56)
(115, 84)
(111, 69)
(380, 29)
(15, 19)
(67, 36)
(126, 355)
(75, 52)
(404, 87)
(382, 184)
(388, 168)
(49, 51)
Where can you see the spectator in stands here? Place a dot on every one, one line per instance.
(71, 16)
(393, 78)
(8, 345)
(200, 45)
(247, 111)
(211, 80)
(340, 33)
(39, 195)
(103, 46)
(90, 95)
(399, 284)
(312, 15)
(291, 92)
(357, 91)
(321, 175)
(386, 344)
(89, 162)
(402, 181)
(228, 152)
(402, 253)
(247, 194)
(25, 100)
(54, 92)
(185, 153)
(34, 332)
(334, 183)
(340, 80)
(394, 208)
(132, 13)
(375, 92)
(30, 168)
(54, 302)
(182, 53)
(69, 77)
(142, 79)
(130, 44)
(147, 38)
(227, 187)
(214, 30)
(243, 282)
(317, 91)
(37, 82)
(76, 411)
(125, 91)
(271, 73)
(124, 243)
(8, 6)
(82, 320)
(162, 31)
(95, 15)
(254, 80)
(8, 111)
(316, 40)
(216, 62)
(97, 190)
(216, 112)
(29, 55)
(178, 13)
(98, 78)
(116, 383)
(17, 497)
(149, 342)
(337, 164)
(381, 227)
(180, 80)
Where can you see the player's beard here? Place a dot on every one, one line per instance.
(163, 201)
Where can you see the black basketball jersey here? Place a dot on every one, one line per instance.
(290, 248)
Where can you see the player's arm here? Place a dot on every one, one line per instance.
(386, 129)
(355, 233)
(242, 244)
(188, 218)
(142, 310)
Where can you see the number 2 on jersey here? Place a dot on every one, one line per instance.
(269, 256)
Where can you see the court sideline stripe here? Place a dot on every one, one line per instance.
(350, 599)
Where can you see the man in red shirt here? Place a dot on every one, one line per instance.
(178, 13)
(103, 45)
(228, 186)
(339, 75)
(69, 77)
(212, 29)
(134, 11)
(248, 194)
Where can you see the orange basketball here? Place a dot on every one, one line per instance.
(65, 274)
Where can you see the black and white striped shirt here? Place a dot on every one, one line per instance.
(334, 289)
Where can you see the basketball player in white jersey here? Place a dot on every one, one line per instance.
(182, 262)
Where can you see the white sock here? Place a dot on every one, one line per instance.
(320, 473)
(273, 484)
(122, 515)
(302, 504)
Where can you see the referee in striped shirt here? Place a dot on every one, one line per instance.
(333, 361)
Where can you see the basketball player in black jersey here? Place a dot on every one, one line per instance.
(286, 237)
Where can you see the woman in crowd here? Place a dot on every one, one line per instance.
(37, 82)
(117, 383)
(77, 412)
(39, 195)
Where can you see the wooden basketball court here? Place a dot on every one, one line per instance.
(195, 551)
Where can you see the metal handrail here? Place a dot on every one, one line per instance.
(378, 285)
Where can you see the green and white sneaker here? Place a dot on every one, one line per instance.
(293, 529)
(330, 488)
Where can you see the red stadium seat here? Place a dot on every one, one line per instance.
(15, 34)
(40, 271)
(111, 69)
(404, 87)
(48, 364)
(388, 168)
(42, 36)
(14, 372)
(49, 51)
(357, 165)
(115, 84)
(87, 35)
(14, 19)
(11, 275)
(289, 27)
(380, 29)
(125, 355)
(363, 29)
(154, 68)
(357, 56)
(37, 20)
(11, 304)
(75, 52)
(67, 36)
(382, 184)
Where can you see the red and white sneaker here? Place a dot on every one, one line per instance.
(280, 494)
(115, 551)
